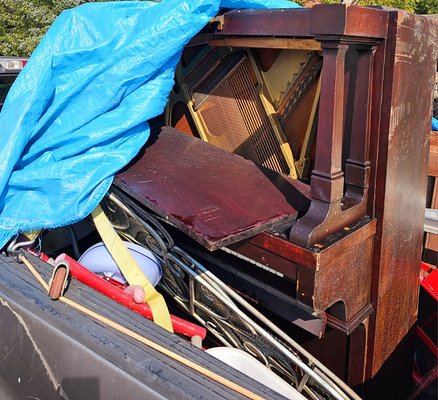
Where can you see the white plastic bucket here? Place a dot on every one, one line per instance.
(250, 366)
(98, 260)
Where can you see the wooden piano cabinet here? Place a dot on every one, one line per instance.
(353, 257)
(388, 154)
(336, 272)
(333, 278)
(371, 160)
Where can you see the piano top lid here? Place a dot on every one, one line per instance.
(214, 196)
(322, 19)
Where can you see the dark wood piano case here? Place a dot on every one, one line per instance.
(351, 260)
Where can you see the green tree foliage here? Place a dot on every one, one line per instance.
(408, 5)
(24, 22)
(413, 6)
(22, 25)
(427, 7)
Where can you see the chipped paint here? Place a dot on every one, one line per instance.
(398, 115)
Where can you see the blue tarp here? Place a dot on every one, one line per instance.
(434, 124)
(78, 112)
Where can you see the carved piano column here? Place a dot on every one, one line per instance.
(335, 205)
(328, 177)
(357, 173)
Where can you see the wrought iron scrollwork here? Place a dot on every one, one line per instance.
(226, 315)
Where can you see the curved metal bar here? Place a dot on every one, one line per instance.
(200, 293)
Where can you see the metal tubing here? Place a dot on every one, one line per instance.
(87, 277)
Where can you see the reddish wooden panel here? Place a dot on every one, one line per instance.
(346, 278)
(280, 22)
(353, 21)
(318, 257)
(342, 19)
(357, 352)
(402, 168)
(214, 196)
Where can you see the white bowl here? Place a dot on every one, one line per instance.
(250, 366)
(98, 260)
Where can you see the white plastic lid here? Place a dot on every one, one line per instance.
(98, 260)
(250, 366)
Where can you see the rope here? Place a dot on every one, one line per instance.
(155, 346)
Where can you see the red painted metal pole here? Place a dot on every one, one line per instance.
(89, 278)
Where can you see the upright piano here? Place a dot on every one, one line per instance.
(296, 167)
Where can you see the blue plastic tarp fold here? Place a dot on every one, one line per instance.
(78, 112)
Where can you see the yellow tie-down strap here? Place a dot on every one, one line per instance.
(130, 269)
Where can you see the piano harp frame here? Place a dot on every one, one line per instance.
(186, 95)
